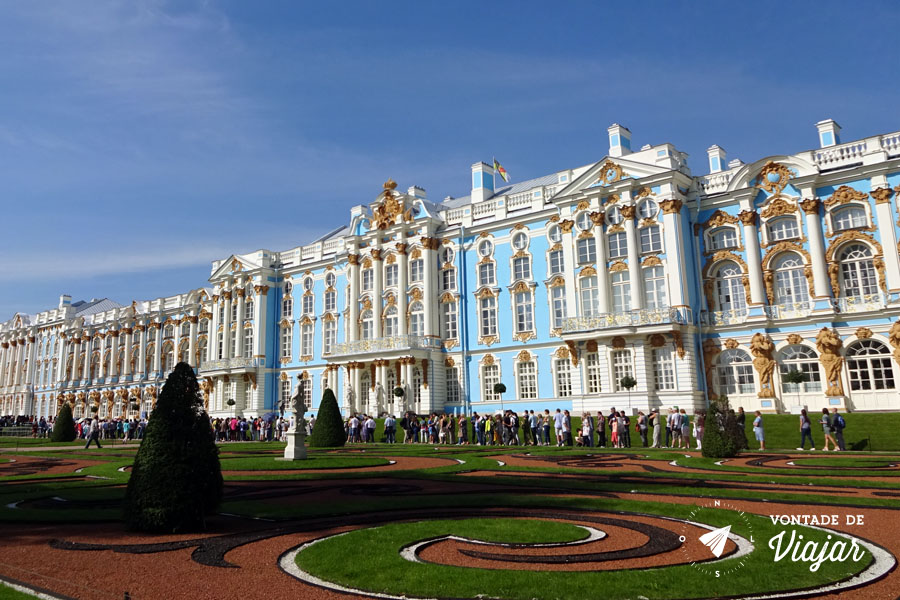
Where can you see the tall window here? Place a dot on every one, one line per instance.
(558, 305)
(286, 391)
(618, 245)
(592, 364)
(391, 322)
(623, 366)
(803, 359)
(849, 217)
(722, 238)
(248, 309)
(204, 326)
(587, 251)
(248, 342)
(449, 317)
(448, 279)
(790, 283)
(201, 352)
(232, 343)
(526, 374)
(453, 388)
(488, 309)
(368, 278)
(306, 340)
(783, 228)
(490, 375)
(169, 359)
(367, 330)
(663, 369)
(306, 392)
(563, 378)
(730, 291)
(417, 270)
(234, 316)
(417, 319)
(521, 268)
(621, 291)
(169, 330)
(486, 274)
(309, 302)
(329, 336)
(556, 262)
(869, 363)
(857, 272)
(287, 303)
(655, 287)
(286, 341)
(651, 240)
(417, 385)
(735, 373)
(391, 275)
(524, 312)
(185, 329)
(590, 296)
(330, 301)
(220, 346)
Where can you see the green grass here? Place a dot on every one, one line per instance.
(8, 593)
(268, 463)
(848, 461)
(865, 431)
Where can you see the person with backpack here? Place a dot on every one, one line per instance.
(93, 435)
(837, 425)
(805, 431)
(758, 430)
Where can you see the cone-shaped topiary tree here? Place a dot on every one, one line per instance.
(329, 429)
(722, 436)
(176, 479)
(64, 426)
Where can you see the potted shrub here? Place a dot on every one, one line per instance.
(230, 402)
(398, 392)
(628, 382)
(500, 389)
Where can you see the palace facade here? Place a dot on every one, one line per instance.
(560, 287)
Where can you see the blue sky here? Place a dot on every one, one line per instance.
(141, 140)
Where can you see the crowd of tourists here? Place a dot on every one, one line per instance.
(258, 429)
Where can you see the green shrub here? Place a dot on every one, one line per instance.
(328, 431)
(176, 479)
(64, 426)
(722, 436)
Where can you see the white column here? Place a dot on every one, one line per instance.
(675, 261)
(142, 349)
(359, 392)
(20, 358)
(240, 324)
(129, 348)
(4, 352)
(157, 352)
(102, 370)
(61, 357)
(212, 343)
(29, 356)
(377, 305)
(430, 298)
(226, 330)
(754, 261)
(569, 266)
(353, 303)
(192, 341)
(602, 271)
(635, 278)
(113, 353)
(86, 362)
(821, 285)
(402, 288)
(261, 308)
(884, 222)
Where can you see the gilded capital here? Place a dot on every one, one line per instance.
(628, 211)
(672, 206)
(882, 195)
(353, 259)
(376, 253)
(566, 225)
(262, 290)
(598, 218)
(401, 248)
(239, 292)
(748, 217)
(227, 294)
(810, 206)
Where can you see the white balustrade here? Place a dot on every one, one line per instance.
(397, 342)
(631, 318)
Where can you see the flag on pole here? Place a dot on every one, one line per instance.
(498, 168)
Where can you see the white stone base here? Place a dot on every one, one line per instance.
(296, 446)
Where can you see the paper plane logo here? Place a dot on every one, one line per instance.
(716, 540)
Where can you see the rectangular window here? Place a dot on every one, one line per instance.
(521, 268)
(309, 304)
(286, 342)
(449, 316)
(248, 313)
(490, 376)
(651, 241)
(234, 317)
(368, 278)
(527, 379)
(417, 270)
(524, 312)
(592, 363)
(248, 342)
(329, 337)
(453, 388)
(623, 366)
(563, 378)
(330, 301)
(663, 369)
(618, 245)
(654, 288)
(391, 275)
(306, 340)
(556, 262)
(220, 351)
(235, 351)
(587, 251)
(621, 290)
(488, 317)
(558, 300)
(486, 274)
(590, 297)
(448, 279)
(286, 392)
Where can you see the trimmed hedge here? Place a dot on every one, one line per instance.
(64, 426)
(328, 431)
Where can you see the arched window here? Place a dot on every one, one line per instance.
(417, 385)
(735, 371)
(791, 287)
(220, 345)
(306, 392)
(583, 221)
(783, 228)
(857, 272)
(95, 365)
(802, 359)
(623, 366)
(367, 330)
(185, 329)
(722, 238)
(204, 326)
(869, 363)
(730, 292)
(201, 352)
(391, 322)
(287, 303)
(168, 358)
(524, 308)
(169, 331)
(590, 297)
(849, 217)
(232, 344)
(557, 306)
(416, 319)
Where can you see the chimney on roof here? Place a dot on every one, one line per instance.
(716, 158)
(829, 133)
(482, 182)
(417, 192)
(65, 300)
(619, 140)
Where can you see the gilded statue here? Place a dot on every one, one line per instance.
(894, 338)
(829, 344)
(762, 347)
